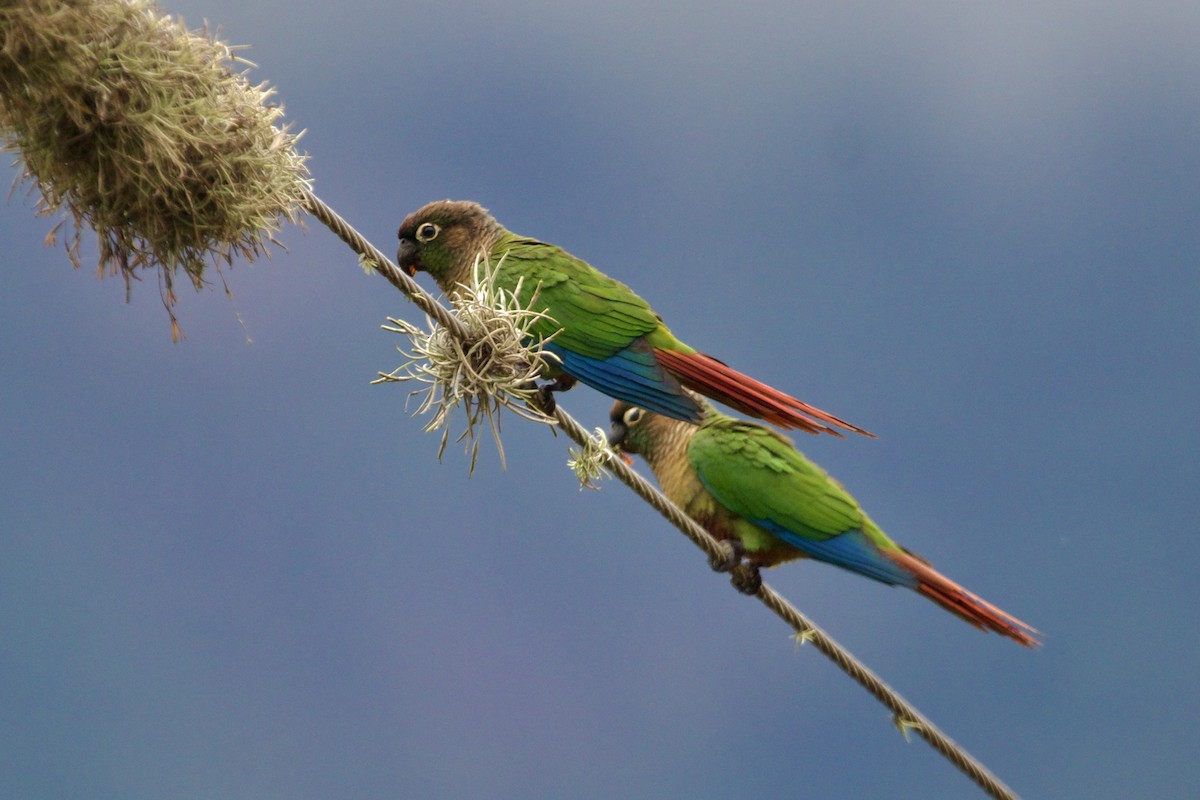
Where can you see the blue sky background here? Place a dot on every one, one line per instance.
(233, 568)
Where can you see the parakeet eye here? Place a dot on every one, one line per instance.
(632, 415)
(427, 232)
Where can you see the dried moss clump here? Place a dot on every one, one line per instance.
(144, 131)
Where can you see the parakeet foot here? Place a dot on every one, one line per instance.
(742, 574)
(545, 393)
(732, 552)
(543, 398)
(546, 398)
(745, 578)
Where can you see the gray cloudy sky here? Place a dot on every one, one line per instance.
(233, 568)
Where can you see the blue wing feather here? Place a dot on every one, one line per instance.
(851, 550)
(632, 375)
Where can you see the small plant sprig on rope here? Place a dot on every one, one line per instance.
(590, 461)
(494, 367)
(147, 133)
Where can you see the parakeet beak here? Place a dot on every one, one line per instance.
(406, 256)
(616, 437)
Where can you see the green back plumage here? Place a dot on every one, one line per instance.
(599, 316)
(757, 474)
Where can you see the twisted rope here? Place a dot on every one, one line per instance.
(382, 264)
(907, 717)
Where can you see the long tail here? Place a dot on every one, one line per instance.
(711, 378)
(957, 600)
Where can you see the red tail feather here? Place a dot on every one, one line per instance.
(957, 600)
(724, 384)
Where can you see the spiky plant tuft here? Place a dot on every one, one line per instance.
(493, 368)
(590, 462)
(144, 131)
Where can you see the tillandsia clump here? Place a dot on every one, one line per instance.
(145, 132)
(496, 366)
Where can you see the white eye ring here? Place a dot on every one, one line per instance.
(632, 415)
(427, 232)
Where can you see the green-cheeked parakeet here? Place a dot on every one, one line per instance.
(745, 483)
(604, 334)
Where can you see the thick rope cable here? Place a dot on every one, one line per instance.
(907, 717)
(382, 264)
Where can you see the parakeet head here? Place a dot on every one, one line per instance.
(626, 434)
(444, 239)
(652, 436)
(636, 430)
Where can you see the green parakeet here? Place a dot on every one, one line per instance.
(747, 484)
(604, 334)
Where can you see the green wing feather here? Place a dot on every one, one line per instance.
(757, 474)
(598, 316)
